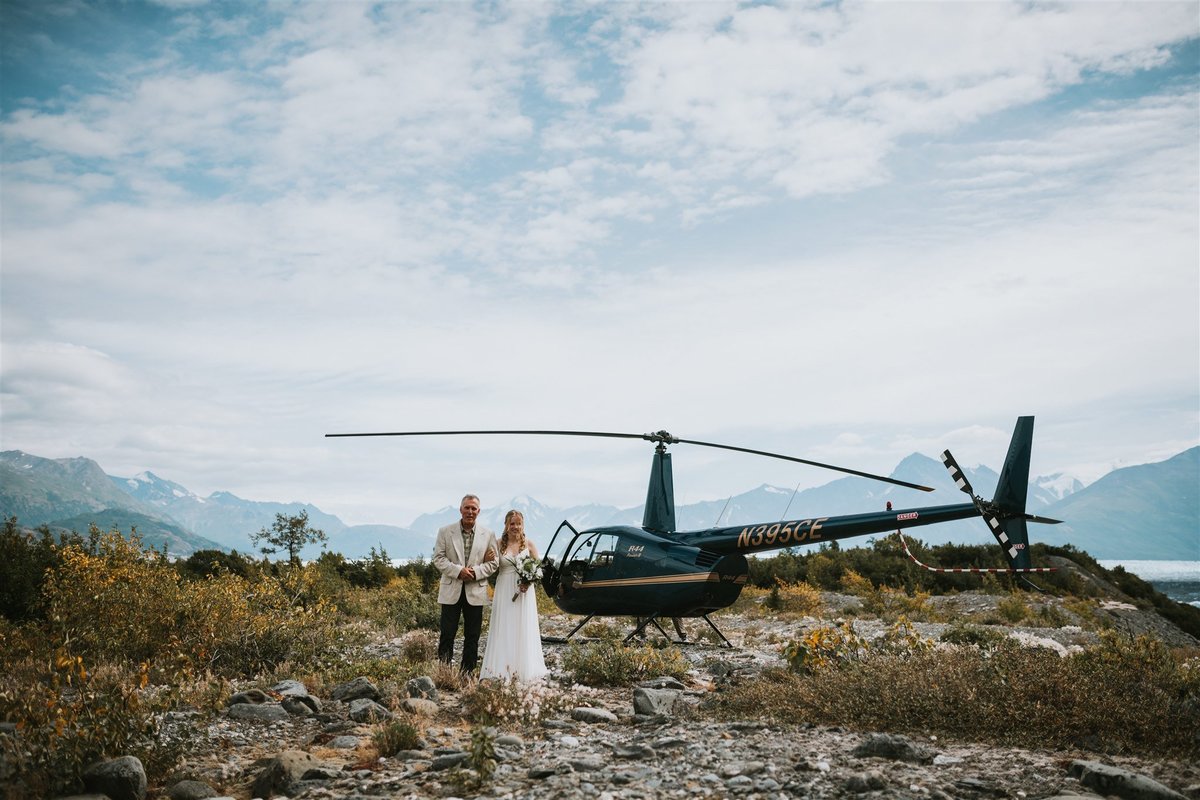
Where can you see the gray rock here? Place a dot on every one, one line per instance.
(419, 706)
(354, 690)
(1109, 780)
(300, 706)
(121, 778)
(321, 772)
(664, 682)
(587, 763)
(633, 751)
(654, 702)
(592, 715)
(449, 760)
(895, 747)
(863, 782)
(267, 712)
(422, 687)
(283, 774)
(191, 790)
(539, 772)
(344, 742)
(510, 740)
(290, 688)
(253, 696)
(366, 710)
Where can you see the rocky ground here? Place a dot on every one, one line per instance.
(647, 742)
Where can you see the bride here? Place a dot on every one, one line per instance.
(514, 641)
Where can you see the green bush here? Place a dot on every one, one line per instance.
(395, 736)
(609, 663)
(211, 563)
(974, 636)
(24, 561)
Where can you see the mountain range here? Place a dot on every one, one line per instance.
(1150, 511)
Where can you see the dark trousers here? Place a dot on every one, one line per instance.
(472, 617)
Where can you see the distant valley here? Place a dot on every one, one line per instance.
(1150, 511)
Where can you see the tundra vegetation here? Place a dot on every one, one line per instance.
(100, 637)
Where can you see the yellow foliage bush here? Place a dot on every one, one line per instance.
(124, 603)
(68, 716)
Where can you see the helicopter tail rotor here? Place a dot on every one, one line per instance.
(1005, 513)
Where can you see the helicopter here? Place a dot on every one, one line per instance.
(656, 572)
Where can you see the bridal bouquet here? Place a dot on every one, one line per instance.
(529, 571)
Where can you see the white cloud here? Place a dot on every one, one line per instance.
(841, 230)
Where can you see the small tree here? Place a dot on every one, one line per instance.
(291, 534)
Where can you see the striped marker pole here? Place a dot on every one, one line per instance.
(1009, 570)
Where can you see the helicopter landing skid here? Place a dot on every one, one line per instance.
(653, 620)
(640, 631)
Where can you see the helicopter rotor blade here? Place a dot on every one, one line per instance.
(661, 437)
(502, 433)
(822, 465)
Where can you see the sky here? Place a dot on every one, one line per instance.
(846, 232)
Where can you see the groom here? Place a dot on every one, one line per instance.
(465, 554)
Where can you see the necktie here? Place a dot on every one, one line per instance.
(468, 540)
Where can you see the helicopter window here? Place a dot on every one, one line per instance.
(604, 551)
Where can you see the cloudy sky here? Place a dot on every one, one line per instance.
(846, 232)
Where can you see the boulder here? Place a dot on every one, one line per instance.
(121, 778)
(654, 702)
(283, 774)
(419, 706)
(191, 790)
(422, 687)
(252, 696)
(366, 710)
(1114, 781)
(355, 690)
(267, 712)
(895, 747)
(588, 714)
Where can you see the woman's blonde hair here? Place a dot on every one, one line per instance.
(504, 537)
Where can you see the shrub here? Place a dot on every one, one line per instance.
(419, 646)
(395, 736)
(68, 716)
(613, 664)
(794, 598)
(1009, 696)
(118, 602)
(1013, 609)
(24, 561)
(208, 563)
(508, 702)
(974, 636)
(123, 603)
(824, 647)
(402, 604)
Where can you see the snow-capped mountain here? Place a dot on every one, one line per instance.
(1150, 511)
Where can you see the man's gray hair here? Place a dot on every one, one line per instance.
(467, 497)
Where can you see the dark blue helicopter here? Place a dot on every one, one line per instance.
(656, 572)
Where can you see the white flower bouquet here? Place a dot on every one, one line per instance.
(529, 571)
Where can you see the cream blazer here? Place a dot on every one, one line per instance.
(449, 560)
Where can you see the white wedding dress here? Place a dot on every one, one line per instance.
(514, 640)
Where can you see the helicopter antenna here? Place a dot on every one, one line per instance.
(790, 499)
(662, 438)
(718, 522)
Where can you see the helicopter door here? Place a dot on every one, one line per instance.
(552, 574)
